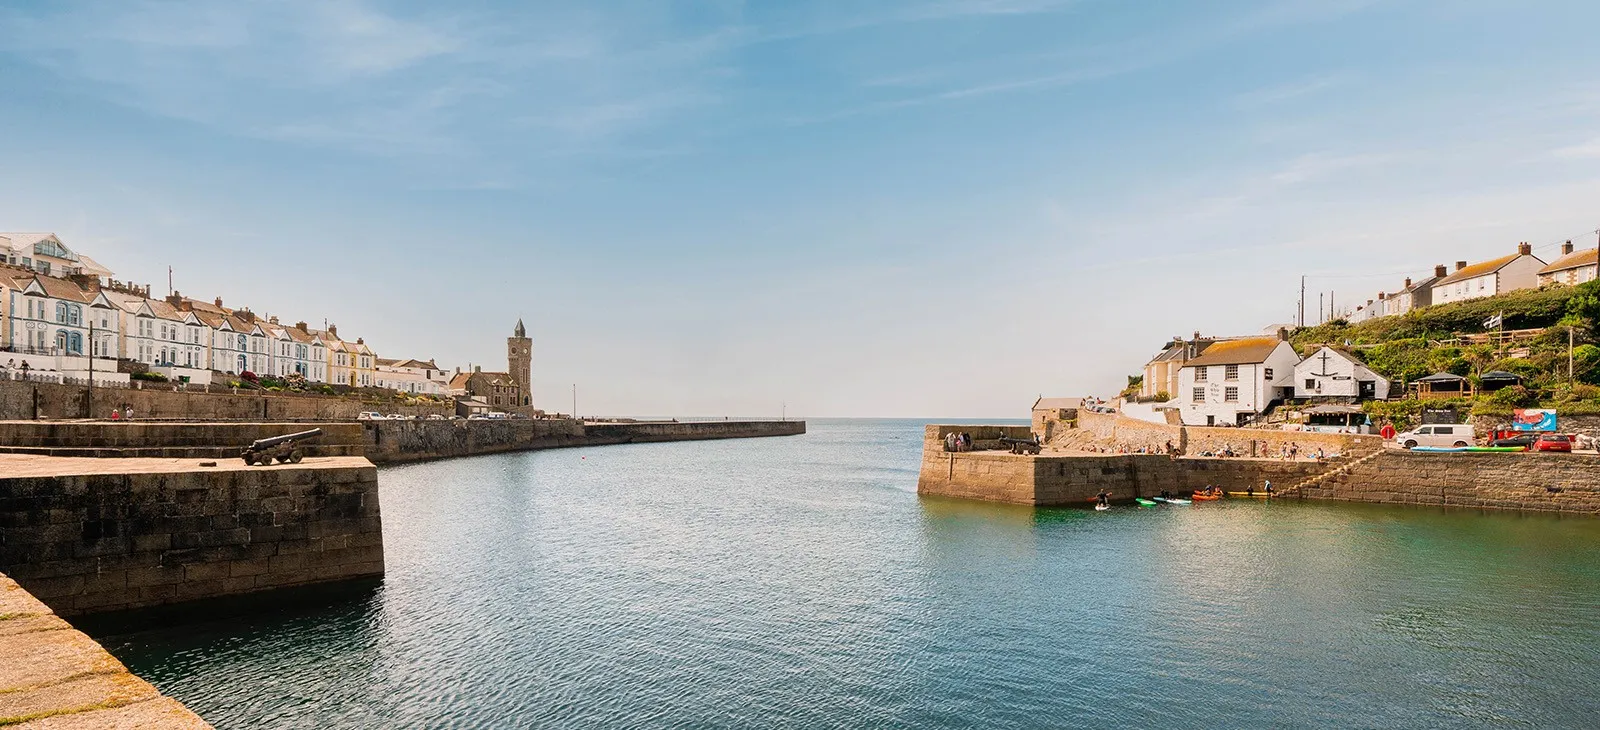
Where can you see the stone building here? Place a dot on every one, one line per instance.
(519, 358)
(502, 390)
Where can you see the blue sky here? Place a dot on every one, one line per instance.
(938, 208)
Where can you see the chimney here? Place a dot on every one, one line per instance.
(477, 368)
(1408, 283)
(1525, 248)
(333, 330)
(360, 341)
(1283, 334)
(1461, 265)
(273, 319)
(1566, 248)
(1439, 271)
(219, 302)
(300, 326)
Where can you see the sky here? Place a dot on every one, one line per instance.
(827, 208)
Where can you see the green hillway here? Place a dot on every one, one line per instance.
(1440, 339)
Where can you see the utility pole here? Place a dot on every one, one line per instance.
(88, 396)
(1570, 379)
(785, 412)
(1302, 300)
(1320, 309)
(574, 400)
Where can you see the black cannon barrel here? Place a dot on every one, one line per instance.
(268, 443)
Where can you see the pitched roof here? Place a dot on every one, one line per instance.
(1055, 403)
(1574, 260)
(1236, 352)
(63, 289)
(1482, 268)
(1419, 286)
(460, 380)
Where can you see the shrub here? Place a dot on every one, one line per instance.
(148, 376)
(1163, 396)
(249, 376)
(1515, 396)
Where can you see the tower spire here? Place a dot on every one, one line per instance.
(520, 331)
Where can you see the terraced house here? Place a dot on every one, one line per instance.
(1572, 268)
(1488, 278)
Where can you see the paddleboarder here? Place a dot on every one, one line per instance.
(1104, 498)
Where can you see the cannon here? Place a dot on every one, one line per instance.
(283, 448)
(1020, 446)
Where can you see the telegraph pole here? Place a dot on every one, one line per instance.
(1570, 379)
(574, 400)
(1302, 300)
(1320, 310)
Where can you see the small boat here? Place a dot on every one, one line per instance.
(1101, 507)
(1442, 449)
(1175, 500)
(1145, 502)
(1256, 495)
(1203, 497)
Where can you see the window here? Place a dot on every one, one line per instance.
(1200, 374)
(1311, 383)
(1230, 372)
(244, 345)
(1444, 430)
(1481, 284)
(1230, 394)
(1266, 373)
(1199, 395)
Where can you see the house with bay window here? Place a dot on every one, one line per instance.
(58, 327)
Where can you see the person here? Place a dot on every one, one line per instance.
(127, 413)
(1250, 490)
(950, 441)
(1169, 446)
(116, 415)
(1166, 494)
(1104, 497)
(1269, 487)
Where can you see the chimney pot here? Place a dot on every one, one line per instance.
(1566, 248)
(1408, 282)
(1461, 265)
(300, 326)
(1525, 248)
(477, 368)
(219, 301)
(1439, 270)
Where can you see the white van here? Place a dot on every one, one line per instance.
(1438, 434)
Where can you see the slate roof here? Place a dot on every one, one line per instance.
(1236, 352)
(1574, 260)
(1481, 268)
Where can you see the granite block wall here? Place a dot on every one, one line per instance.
(133, 533)
(22, 400)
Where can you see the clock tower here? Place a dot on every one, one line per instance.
(519, 363)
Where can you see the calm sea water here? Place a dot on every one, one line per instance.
(800, 582)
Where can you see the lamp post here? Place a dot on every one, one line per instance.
(88, 396)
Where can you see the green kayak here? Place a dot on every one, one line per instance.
(1145, 502)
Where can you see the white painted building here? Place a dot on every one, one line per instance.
(1572, 268)
(1488, 278)
(1333, 373)
(1232, 381)
(44, 253)
(412, 376)
(1413, 295)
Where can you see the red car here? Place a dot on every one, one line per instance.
(1551, 442)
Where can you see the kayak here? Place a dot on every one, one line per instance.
(1199, 497)
(1171, 500)
(1442, 449)
(1257, 495)
(1497, 448)
(1145, 502)
(1101, 507)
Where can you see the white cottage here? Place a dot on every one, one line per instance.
(1332, 373)
(1232, 381)
(1488, 278)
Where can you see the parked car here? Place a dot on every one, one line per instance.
(1438, 434)
(435, 417)
(398, 417)
(369, 416)
(1552, 442)
(1522, 439)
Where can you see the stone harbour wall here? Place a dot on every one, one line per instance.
(1544, 482)
(1135, 433)
(389, 442)
(24, 400)
(95, 535)
(1076, 479)
(53, 676)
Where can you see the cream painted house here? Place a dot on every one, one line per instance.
(1572, 268)
(1488, 278)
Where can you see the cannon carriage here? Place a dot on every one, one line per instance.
(285, 449)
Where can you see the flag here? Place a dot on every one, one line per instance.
(1493, 322)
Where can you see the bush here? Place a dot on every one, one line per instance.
(148, 376)
(1515, 396)
(1163, 396)
(249, 376)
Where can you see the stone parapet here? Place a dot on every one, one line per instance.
(27, 400)
(96, 535)
(53, 676)
(389, 442)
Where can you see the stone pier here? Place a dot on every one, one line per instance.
(52, 676)
(89, 535)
